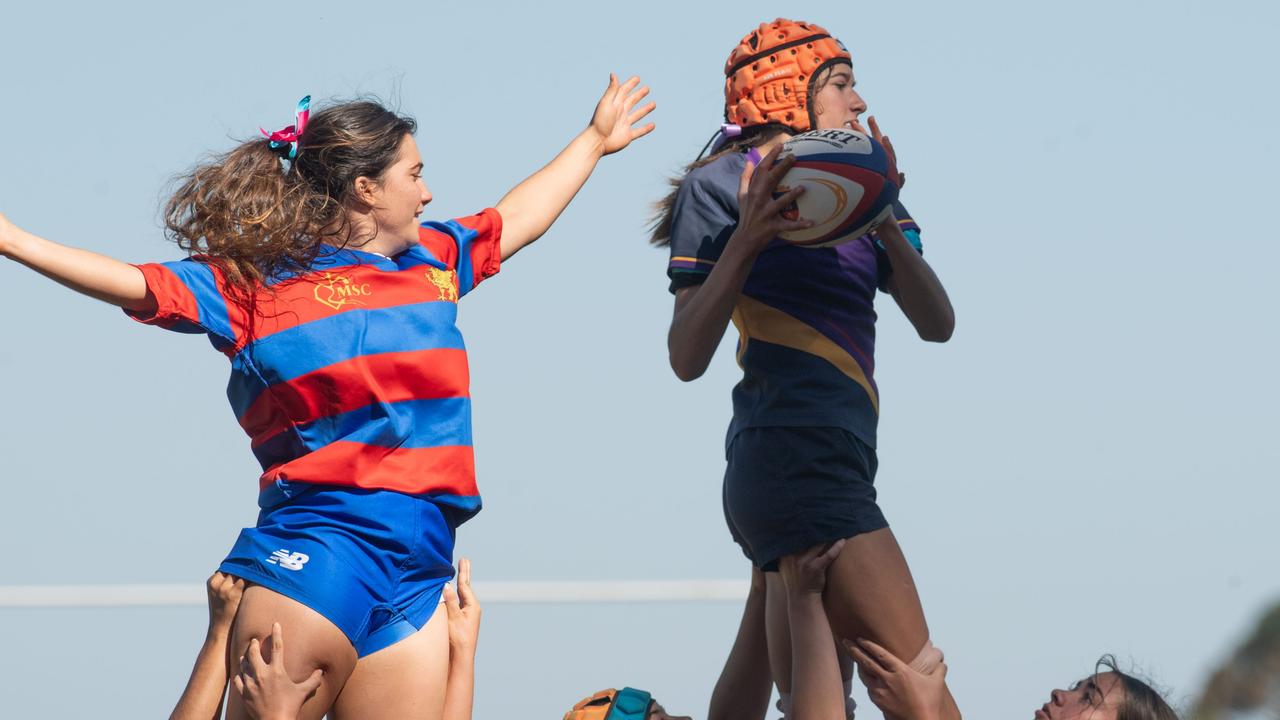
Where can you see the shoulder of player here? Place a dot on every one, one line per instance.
(717, 179)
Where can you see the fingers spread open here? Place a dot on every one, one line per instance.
(638, 115)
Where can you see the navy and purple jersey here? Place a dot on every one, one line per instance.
(806, 318)
(354, 372)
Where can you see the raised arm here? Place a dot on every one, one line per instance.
(915, 287)
(89, 273)
(702, 312)
(817, 690)
(533, 205)
(742, 692)
(202, 698)
(913, 284)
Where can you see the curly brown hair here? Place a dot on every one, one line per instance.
(256, 219)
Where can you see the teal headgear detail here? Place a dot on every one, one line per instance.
(630, 704)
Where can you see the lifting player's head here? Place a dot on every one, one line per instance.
(1107, 694)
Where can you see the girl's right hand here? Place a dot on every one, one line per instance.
(760, 217)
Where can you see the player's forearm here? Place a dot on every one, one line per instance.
(699, 323)
(459, 693)
(89, 273)
(742, 692)
(202, 698)
(817, 690)
(916, 287)
(530, 208)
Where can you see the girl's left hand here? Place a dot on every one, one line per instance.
(888, 149)
(615, 118)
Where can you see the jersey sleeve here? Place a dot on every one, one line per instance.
(189, 299)
(702, 220)
(911, 229)
(469, 245)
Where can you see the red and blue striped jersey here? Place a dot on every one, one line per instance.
(354, 372)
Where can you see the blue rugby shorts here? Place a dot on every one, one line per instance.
(373, 562)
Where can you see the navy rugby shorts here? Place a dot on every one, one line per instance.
(787, 489)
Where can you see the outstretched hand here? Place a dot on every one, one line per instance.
(615, 117)
(894, 174)
(463, 609)
(268, 691)
(899, 690)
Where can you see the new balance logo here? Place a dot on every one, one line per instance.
(288, 560)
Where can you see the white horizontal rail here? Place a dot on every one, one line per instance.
(585, 591)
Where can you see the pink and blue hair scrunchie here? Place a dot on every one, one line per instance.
(290, 136)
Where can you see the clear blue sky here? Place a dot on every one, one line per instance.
(1089, 465)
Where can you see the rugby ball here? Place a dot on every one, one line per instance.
(847, 190)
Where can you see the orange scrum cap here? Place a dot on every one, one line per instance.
(768, 76)
(625, 704)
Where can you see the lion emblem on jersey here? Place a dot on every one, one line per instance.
(446, 281)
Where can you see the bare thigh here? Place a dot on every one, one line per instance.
(870, 594)
(405, 681)
(310, 641)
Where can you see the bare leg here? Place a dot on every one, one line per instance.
(405, 681)
(870, 594)
(778, 631)
(314, 642)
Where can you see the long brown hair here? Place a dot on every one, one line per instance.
(1141, 701)
(255, 218)
(754, 136)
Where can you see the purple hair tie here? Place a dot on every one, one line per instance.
(727, 132)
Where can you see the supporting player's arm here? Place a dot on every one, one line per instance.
(702, 312)
(817, 690)
(464, 635)
(915, 287)
(530, 208)
(742, 692)
(85, 272)
(202, 698)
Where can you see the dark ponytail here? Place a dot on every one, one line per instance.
(754, 136)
